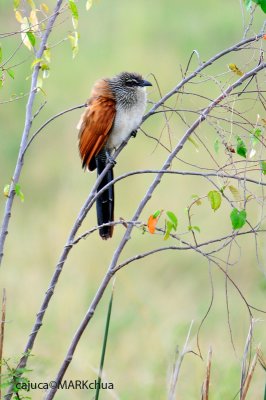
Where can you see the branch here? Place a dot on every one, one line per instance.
(49, 121)
(89, 202)
(126, 237)
(177, 366)
(235, 47)
(25, 134)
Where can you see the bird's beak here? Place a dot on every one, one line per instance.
(145, 83)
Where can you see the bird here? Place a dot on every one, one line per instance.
(114, 111)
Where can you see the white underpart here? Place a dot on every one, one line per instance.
(127, 121)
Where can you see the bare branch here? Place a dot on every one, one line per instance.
(177, 366)
(27, 127)
(206, 383)
(2, 332)
(49, 121)
(142, 204)
(113, 267)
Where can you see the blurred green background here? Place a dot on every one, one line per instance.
(156, 298)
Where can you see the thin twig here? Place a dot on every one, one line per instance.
(200, 68)
(247, 350)
(249, 376)
(206, 383)
(177, 366)
(2, 333)
(49, 121)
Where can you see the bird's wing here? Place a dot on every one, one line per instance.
(94, 128)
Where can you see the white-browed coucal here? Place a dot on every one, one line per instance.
(114, 110)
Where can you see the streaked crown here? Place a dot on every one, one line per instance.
(129, 80)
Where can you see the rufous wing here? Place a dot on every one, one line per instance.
(95, 126)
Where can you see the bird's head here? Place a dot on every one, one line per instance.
(130, 81)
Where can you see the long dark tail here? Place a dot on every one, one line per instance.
(105, 203)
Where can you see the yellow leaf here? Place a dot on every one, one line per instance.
(235, 192)
(195, 144)
(234, 68)
(24, 37)
(32, 4)
(19, 17)
(88, 4)
(34, 20)
(44, 8)
(47, 54)
(6, 190)
(74, 43)
(36, 61)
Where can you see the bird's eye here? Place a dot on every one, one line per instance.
(131, 82)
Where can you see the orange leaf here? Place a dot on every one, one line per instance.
(152, 222)
(264, 37)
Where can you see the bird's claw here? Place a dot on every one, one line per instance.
(134, 133)
(110, 159)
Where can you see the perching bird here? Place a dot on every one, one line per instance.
(115, 109)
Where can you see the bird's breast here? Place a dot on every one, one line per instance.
(126, 121)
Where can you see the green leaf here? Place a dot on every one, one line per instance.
(238, 218)
(169, 227)
(11, 73)
(19, 192)
(46, 71)
(248, 4)
(241, 148)
(172, 217)
(16, 4)
(223, 189)
(45, 67)
(262, 4)
(31, 38)
(194, 228)
(216, 145)
(255, 136)
(215, 199)
(74, 12)
(156, 214)
(263, 167)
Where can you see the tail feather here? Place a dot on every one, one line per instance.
(105, 203)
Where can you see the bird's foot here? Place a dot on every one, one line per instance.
(110, 159)
(134, 133)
